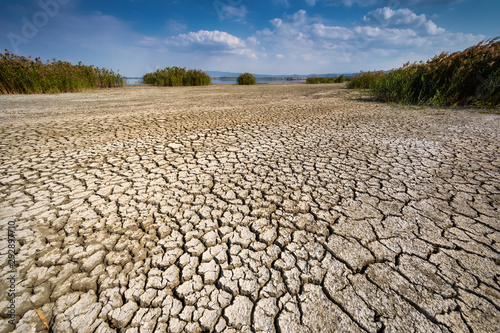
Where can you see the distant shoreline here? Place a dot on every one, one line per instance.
(228, 80)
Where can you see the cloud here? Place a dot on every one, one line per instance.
(284, 3)
(401, 19)
(398, 28)
(392, 3)
(349, 3)
(299, 43)
(425, 3)
(384, 37)
(107, 41)
(234, 13)
(386, 17)
(213, 40)
(174, 25)
(214, 43)
(331, 32)
(93, 38)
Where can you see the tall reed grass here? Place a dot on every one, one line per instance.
(176, 76)
(365, 80)
(470, 77)
(21, 75)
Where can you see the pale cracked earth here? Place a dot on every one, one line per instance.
(272, 208)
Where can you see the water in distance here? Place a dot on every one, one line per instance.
(138, 81)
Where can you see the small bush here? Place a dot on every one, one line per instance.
(21, 75)
(340, 79)
(176, 76)
(246, 79)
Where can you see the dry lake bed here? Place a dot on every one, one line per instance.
(268, 208)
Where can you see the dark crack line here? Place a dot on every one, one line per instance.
(341, 307)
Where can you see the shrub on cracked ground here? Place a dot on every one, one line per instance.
(21, 75)
(176, 76)
(246, 79)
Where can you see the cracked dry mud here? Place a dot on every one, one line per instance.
(271, 208)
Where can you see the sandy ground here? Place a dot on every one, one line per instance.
(270, 208)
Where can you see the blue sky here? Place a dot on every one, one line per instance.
(265, 37)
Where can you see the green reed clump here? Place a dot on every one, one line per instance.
(21, 75)
(195, 77)
(340, 79)
(176, 76)
(365, 80)
(470, 77)
(246, 79)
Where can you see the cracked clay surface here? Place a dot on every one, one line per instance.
(270, 208)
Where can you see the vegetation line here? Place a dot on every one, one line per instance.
(316, 80)
(470, 77)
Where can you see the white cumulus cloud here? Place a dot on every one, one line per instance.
(401, 19)
(216, 40)
(214, 43)
(385, 36)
